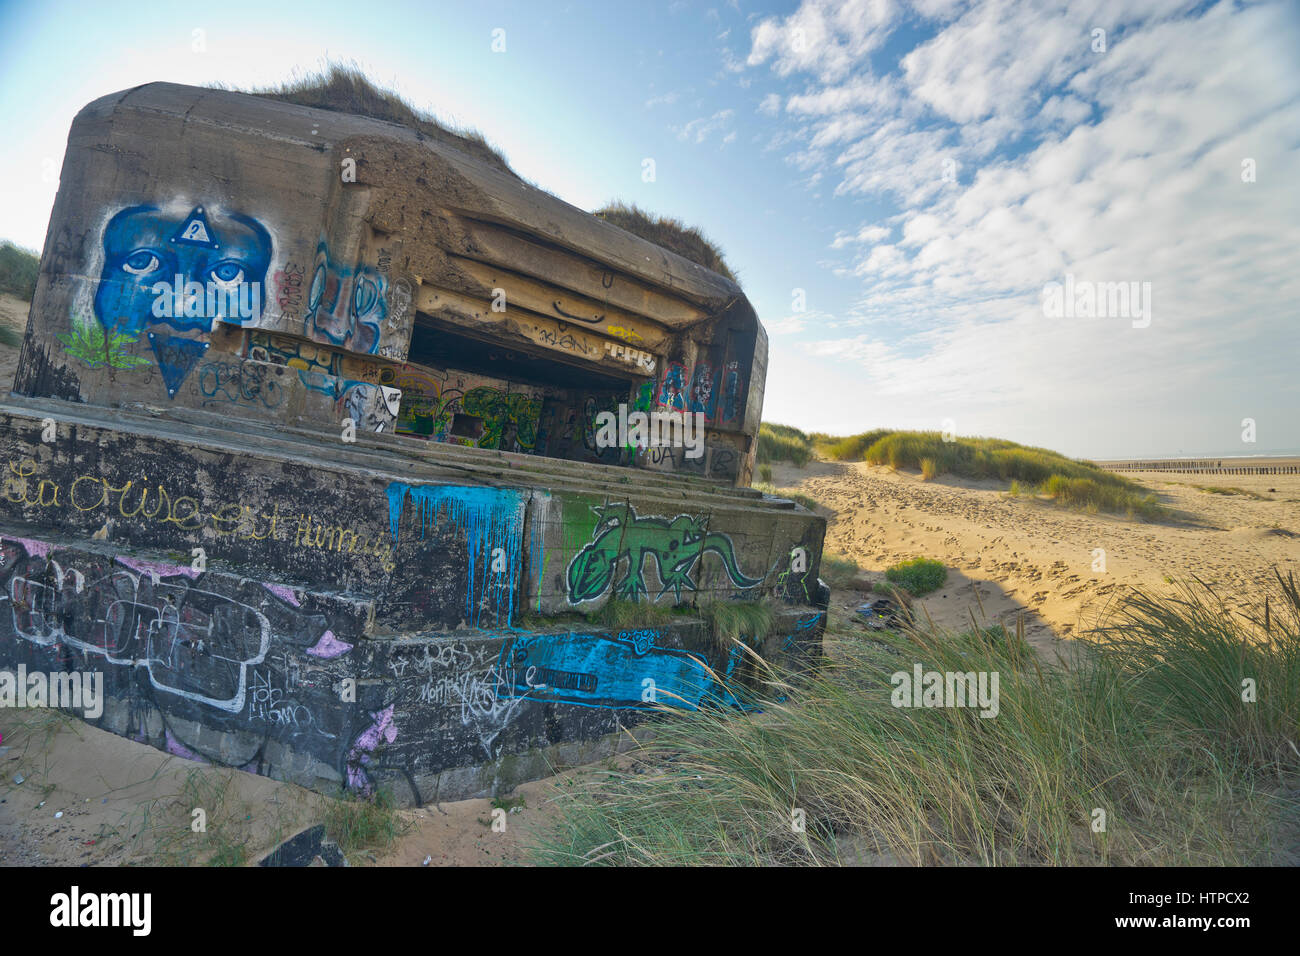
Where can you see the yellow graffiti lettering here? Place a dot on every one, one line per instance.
(98, 483)
(219, 518)
(193, 512)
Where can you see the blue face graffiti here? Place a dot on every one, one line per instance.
(345, 307)
(186, 272)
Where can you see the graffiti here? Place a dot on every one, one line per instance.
(97, 348)
(152, 503)
(176, 358)
(362, 752)
(374, 408)
(676, 545)
(704, 396)
(603, 670)
(399, 305)
(274, 705)
(672, 395)
(731, 394)
(626, 353)
(193, 643)
(627, 335)
(317, 367)
(577, 318)
(143, 247)
(424, 399)
(345, 307)
(312, 533)
(505, 415)
(561, 339)
(241, 382)
(491, 521)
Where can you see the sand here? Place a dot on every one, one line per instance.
(13, 318)
(1031, 558)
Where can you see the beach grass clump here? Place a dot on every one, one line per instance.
(732, 621)
(18, 270)
(1142, 751)
(854, 447)
(919, 576)
(1069, 481)
(839, 572)
(783, 443)
(363, 822)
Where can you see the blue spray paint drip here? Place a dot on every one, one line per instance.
(489, 518)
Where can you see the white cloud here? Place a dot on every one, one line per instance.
(700, 129)
(824, 37)
(1118, 166)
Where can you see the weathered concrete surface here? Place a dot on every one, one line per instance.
(229, 581)
(291, 683)
(373, 274)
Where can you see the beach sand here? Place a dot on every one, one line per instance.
(1031, 558)
(13, 319)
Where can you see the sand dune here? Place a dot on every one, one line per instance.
(1030, 557)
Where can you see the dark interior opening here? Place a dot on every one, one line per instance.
(436, 345)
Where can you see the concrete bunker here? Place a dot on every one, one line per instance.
(303, 454)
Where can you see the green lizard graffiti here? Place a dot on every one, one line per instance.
(676, 546)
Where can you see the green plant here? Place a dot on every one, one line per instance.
(18, 270)
(789, 493)
(929, 469)
(363, 823)
(732, 621)
(839, 572)
(918, 576)
(783, 443)
(345, 88)
(765, 474)
(672, 234)
(89, 343)
(854, 447)
(618, 613)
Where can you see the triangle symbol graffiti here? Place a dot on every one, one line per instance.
(196, 231)
(176, 358)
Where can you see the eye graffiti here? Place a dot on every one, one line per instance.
(188, 272)
(345, 307)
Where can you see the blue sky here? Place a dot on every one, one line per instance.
(893, 183)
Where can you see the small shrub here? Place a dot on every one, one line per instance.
(918, 576)
(360, 823)
(929, 469)
(765, 474)
(839, 572)
(18, 269)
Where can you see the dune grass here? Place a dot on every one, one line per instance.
(345, 88)
(1030, 471)
(18, 270)
(839, 572)
(363, 822)
(673, 234)
(918, 576)
(783, 443)
(853, 447)
(1141, 753)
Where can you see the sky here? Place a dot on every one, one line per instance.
(900, 188)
